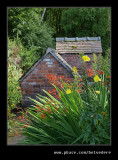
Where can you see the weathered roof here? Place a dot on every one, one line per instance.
(55, 55)
(78, 45)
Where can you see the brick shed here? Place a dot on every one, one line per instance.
(58, 62)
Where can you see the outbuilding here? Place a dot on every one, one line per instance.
(59, 62)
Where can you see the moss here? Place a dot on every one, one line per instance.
(74, 47)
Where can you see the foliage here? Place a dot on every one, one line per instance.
(14, 73)
(53, 18)
(14, 94)
(27, 26)
(17, 17)
(87, 22)
(79, 115)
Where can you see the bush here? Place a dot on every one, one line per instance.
(80, 114)
(14, 73)
(25, 23)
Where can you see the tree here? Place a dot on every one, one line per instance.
(25, 24)
(53, 18)
(80, 22)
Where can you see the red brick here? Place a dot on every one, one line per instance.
(33, 77)
(30, 80)
(28, 91)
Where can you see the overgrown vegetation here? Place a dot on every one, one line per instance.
(14, 73)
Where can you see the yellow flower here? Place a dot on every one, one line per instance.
(104, 114)
(96, 78)
(68, 91)
(12, 122)
(74, 69)
(13, 105)
(98, 92)
(86, 58)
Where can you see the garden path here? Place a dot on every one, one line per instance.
(15, 139)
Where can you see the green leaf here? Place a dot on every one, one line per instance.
(80, 137)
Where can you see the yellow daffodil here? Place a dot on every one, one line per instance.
(68, 91)
(96, 78)
(74, 69)
(98, 92)
(86, 58)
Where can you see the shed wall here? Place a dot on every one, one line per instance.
(37, 80)
(75, 60)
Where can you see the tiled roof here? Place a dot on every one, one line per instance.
(78, 45)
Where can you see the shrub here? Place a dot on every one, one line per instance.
(14, 73)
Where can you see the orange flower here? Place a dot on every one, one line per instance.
(70, 86)
(49, 91)
(54, 94)
(54, 90)
(62, 86)
(79, 90)
(61, 77)
(43, 116)
(56, 109)
(16, 134)
(100, 72)
(108, 77)
(79, 85)
(49, 110)
(90, 72)
(48, 102)
(19, 117)
(58, 97)
(80, 79)
(106, 82)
